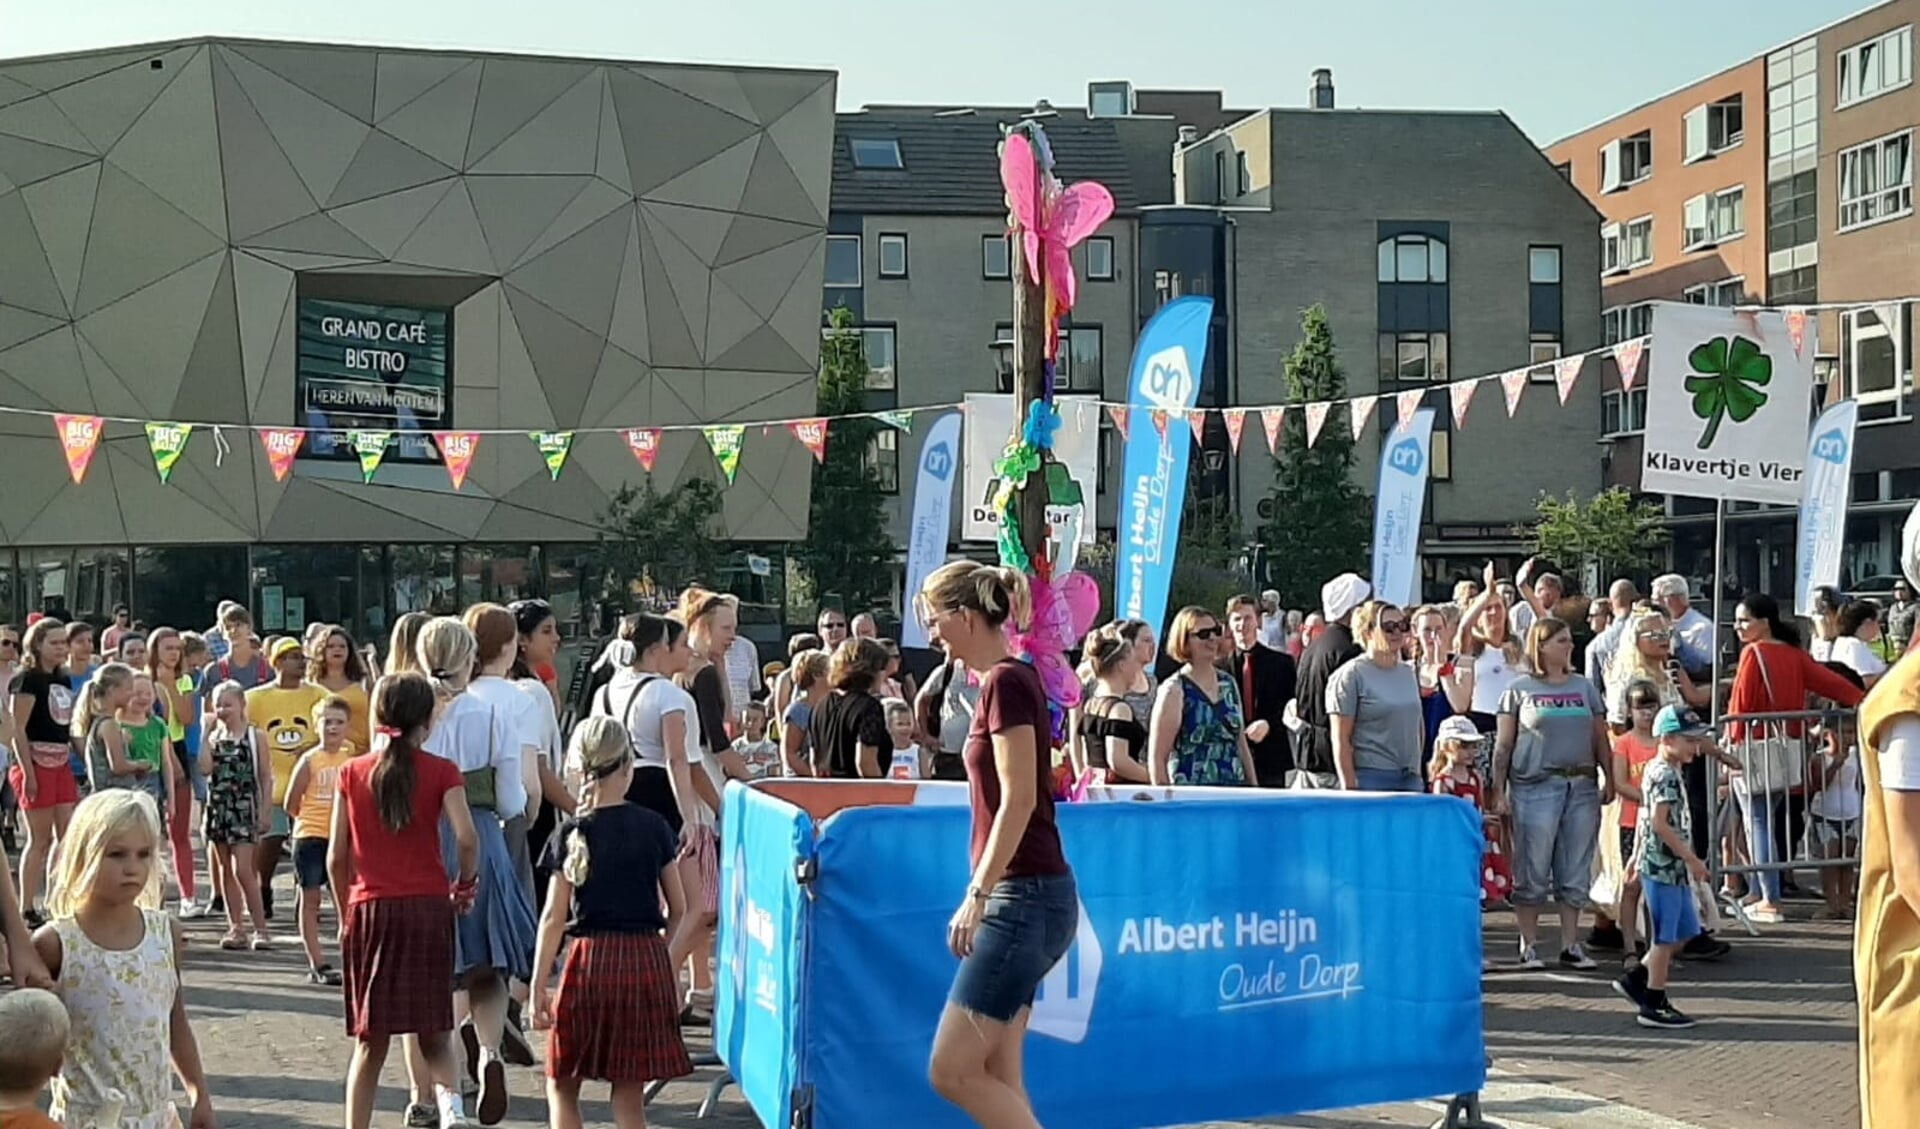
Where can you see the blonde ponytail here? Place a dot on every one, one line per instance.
(602, 747)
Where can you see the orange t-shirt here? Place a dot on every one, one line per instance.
(26, 1119)
(1639, 754)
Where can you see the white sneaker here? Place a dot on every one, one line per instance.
(1766, 915)
(1575, 956)
(1530, 958)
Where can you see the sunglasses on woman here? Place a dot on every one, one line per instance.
(1656, 636)
(1213, 632)
(1643, 705)
(1393, 626)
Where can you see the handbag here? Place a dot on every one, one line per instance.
(1776, 760)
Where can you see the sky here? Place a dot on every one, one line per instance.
(1555, 66)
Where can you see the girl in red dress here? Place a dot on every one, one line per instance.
(1456, 772)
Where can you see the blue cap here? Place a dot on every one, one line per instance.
(1680, 721)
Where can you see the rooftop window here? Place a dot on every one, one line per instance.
(876, 153)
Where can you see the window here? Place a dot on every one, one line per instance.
(1543, 264)
(1100, 259)
(1876, 181)
(1110, 99)
(1639, 242)
(1626, 161)
(1440, 455)
(993, 257)
(1081, 350)
(1220, 174)
(875, 153)
(883, 457)
(1413, 357)
(1413, 258)
(893, 255)
(1874, 354)
(1727, 292)
(1623, 323)
(1870, 69)
(1623, 413)
(1714, 128)
(877, 343)
(843, 261)
(1613, 247)
(1714, 218)
(1543, 347)
(1246, 172)
(1800, 285)
(1793, 113)
(1793, 214)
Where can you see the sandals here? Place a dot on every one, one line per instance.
(234, 942)
(262, 943)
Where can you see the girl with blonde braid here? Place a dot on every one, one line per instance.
(615, 1016)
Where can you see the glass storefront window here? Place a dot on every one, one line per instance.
(570, 588)
(497, 574)
(295, 585)
(10, 587)
(181, 586)
(420, 579)
(76, 583)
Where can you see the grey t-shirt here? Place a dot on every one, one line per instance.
(1384, 703)
(1554, 726)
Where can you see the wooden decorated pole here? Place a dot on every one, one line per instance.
(1030, 380)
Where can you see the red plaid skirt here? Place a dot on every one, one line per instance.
(397, 964)
(704, 850)
(616, 1017)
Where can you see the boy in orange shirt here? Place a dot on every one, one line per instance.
(33, 1042)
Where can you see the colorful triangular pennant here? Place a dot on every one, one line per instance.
(1118, 413)
(1405, 404)
(371, 447)
(167, 441)
(1236, 421)
(812, 434)
(79, 437)
(1273, 419)
(281, 444)
(1797, 328)
(457, 449)
(1566, 371)
(725, 441)
(1461, 394)
(554, 446)
(1513, 383)
(1359, 411)
(1316, 418)
(901, 419)
(1160, 419)
(1626, 356)
(644, 442)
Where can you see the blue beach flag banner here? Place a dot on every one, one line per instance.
(1823, 505)
(932, 509)
(1167, 363)
(1405, 459)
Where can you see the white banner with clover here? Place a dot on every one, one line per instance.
(1728, 404)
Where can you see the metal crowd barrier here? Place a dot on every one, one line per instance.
(1793, 803)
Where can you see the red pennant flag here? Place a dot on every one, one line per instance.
(1566, 370)
(282, 444)
(812, 434)
(1118, 413)
(1273, 419)
(1626, 355)
(644, 442)
(79, 438)
(1797, 328)
(1513, 383)
(1316, 418)
(1408, 403)
(1236, 421)
(1160, 418)
(1461, 394)
(456, 451)
(1359, 412)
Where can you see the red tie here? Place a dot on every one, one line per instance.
(1246, 679)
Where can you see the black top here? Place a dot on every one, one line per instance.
(709, 690)
(51, 720)
(1265, 691)
(627, 848)
(1323, 656)
(1096, 725)
(841, 723)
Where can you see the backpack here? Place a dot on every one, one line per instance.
(603, 707)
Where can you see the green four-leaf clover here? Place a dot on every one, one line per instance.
(1727, 381)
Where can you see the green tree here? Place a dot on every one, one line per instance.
(1322, 521)
(1613, 531)
(653, 544)
(848, 554)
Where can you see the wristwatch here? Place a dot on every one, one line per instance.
(976, 893)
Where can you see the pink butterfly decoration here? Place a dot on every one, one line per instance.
(1052, 219)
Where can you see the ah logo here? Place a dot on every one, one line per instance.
(1406, 457)
(1167, 383)
(737, 904)
(938, 461)
(1063, 1005)
(1831, 447)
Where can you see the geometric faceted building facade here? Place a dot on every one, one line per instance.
(256, 234)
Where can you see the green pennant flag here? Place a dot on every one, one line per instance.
(554, 446)
(725, 442)
(901, 419)
(168, 441)
(371, 446)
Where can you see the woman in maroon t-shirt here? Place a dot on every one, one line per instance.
(1021, 910)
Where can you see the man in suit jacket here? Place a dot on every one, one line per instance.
(1266, 679)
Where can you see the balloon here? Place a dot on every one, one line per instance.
(1081, 595)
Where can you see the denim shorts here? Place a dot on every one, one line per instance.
(310, 862)
(1029, 925)
(1556, 830)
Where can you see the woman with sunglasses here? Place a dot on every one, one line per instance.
(1197, 733)
(1549, 756)
(1645, 654)
(1374, 703)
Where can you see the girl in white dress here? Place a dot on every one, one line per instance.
(116, 956)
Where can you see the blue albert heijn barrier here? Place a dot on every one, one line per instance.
(1240, 955)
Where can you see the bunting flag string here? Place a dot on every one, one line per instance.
(899, 419)
(554, 447)
(79, 437)
(282, 444)
(1461, 394)
(1406, 404)
(1513, 383)
(812, 434)
(644, 442)
(1316, 418)
(167, 441)
(1566, 371)
(1159, 417)
(725, 441)
(1797, 329)
(1236, 421)
(1626, 356)
(371, 447)
(457, 449)
(1273, 419)
(1120, 416)
(1359, 411)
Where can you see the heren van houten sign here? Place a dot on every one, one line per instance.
(373, 363)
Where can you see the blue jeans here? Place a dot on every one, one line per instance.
(1761, 810)
(1388, 780)
(1556, 830)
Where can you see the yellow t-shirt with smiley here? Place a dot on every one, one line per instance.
(285, 719)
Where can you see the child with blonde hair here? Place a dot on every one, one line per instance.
(116, 957)
(615, 1016)
(233, 758)
(33, 1042)
(1455, 771)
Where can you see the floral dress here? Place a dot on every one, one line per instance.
(233, 793)
(1207, 748)
(1496, 875)
(117, 1071)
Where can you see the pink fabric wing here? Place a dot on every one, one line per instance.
(1021, 178)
